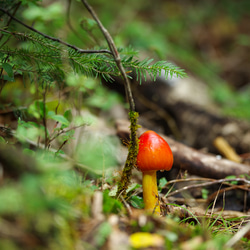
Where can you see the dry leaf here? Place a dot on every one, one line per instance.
(144, 239)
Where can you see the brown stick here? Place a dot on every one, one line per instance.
(115, 54)
(202, 164)
(194, 161)
(53, 38)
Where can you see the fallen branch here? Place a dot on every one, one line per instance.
(209, 183)
(194, 161)
(203, 164)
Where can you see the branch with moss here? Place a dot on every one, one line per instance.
(133, 145)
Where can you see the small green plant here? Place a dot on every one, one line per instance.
(47, 61)
(204, 193)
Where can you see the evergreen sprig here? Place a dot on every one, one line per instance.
(47, 59)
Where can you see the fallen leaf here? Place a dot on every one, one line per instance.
(144, 239)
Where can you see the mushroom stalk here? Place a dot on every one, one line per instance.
(150, 192)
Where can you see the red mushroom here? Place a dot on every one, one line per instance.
(154, 154)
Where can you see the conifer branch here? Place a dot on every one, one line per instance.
(54, 38)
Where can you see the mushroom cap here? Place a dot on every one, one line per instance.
(154, 153)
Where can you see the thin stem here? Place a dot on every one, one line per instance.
(68, 8)
(54, 38)
(115, 54)
(1, 75)
(209, 183)
(45, 118)
(9, 21)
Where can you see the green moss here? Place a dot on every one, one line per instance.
(131, 158)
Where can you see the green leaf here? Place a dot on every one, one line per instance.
(232, 177)
(68, 115)
(137, 202)
(42, 108)
(162, 182)
(133, 186)
(2, 140)
(58, 118)
(7, 78)
(10, 74)
(204, 193)
(103, 233)
(8, 68)
(110, 205)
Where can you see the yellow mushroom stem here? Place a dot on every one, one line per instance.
(150, 192)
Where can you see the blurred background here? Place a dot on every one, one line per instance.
(209, 39)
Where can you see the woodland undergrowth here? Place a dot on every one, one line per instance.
(60, 183)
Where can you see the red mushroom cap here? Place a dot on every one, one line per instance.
(154, 153)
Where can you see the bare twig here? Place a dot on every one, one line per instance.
(56, 39)
(209, 183)
(161, 112)
(62, 145)
(1, 75)
(8, 23)
(214, 181)
(237, 237)
(63, 132)
(68, 8)
(130, 212)
(216, 197)
(114, 53)
(44, 117)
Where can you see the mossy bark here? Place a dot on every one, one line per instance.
(131, 158)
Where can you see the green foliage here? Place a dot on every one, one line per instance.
(46, 60)
(162, 183)
(234, 103)
(29, 131)
(187, 34)
(137, 202)
(48, 57)
(8, 69)
(45, 206)
(110, 204)
(204, 193)
(98, 152)
(104, 231)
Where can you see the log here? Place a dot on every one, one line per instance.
(192, 160)
(204, 164)
(195, 122)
